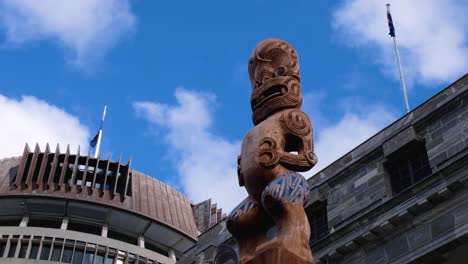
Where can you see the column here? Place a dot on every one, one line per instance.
(64, 225)
(24, 221)
(104, 230)
(141, 241)
(172, 254)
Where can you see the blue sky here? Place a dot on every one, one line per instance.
(174, 76)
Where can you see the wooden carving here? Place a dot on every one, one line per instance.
(270, 224)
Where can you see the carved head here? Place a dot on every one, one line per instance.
(274, 75)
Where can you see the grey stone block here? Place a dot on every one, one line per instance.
(450, 123)
(433, 143)
(377, 180)
(461, 213)
(396, 247)
(376, 256)
(366, 177)
(378, 194)
(434, 126)
(334, 198)
(355, 191)
(434, 161)
(442, 224)
(335, 221)
(459, 146)
(437, 133)
(418, 236)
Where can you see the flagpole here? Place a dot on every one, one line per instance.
(402, 79)
(98, 145)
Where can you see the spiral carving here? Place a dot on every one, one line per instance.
(274, 53)
(296, 122)
(267, 154)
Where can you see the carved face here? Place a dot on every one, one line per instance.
(274, 75)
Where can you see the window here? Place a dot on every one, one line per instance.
(131, 258)
(78, 255)
(45, 252)
(318, 220)
(114, 234)
(82, 227)
(152, 247)
(2, 248)
(34, 250)
(141, 260)
(101, 252)
(12, 250)
(48, 223)
(89, 253)
(121, 257)
(111, 255)
(23, 248)
(68, 251)
(56, 252)
(89, 256)
(408, 166)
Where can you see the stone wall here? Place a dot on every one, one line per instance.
(368, 222)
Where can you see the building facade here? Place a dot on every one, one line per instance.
(72, 208)
(399, 197)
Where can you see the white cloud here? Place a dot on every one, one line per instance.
(87, 28)
(431, 34)
(206, 163)
(355, 121)
(32, 120)
(336, 139)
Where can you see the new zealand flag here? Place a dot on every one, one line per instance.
(94, 141)
(390, 25)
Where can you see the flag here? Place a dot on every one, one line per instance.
(94, 141)
(390, 24)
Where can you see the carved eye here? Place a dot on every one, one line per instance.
(280, 71)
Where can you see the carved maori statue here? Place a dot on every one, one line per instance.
(270, 225)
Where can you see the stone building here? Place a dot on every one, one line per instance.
(399, 197)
